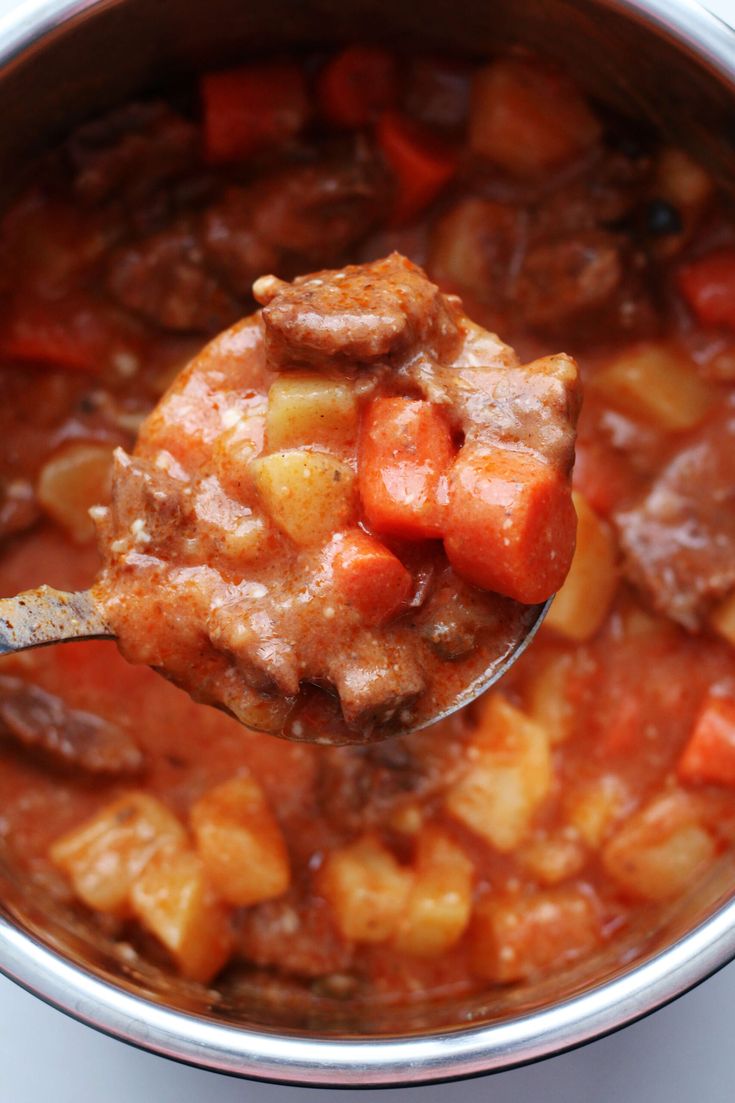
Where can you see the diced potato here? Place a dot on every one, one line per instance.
(552, 858)
(661, 850)
(310, 409)
(240, 843)
(469, 243)
(722, 619)
(103, 856)
(407, 820)
(657, 383)
(514, 938)
(580, 607)
(366, 888)
(527, 118)
(234, 530)
(309, 495)
(680, 180)
(594, 809)
(76, 478)
(440, 901)
(547, 696)
(508, 776)
(174, 900)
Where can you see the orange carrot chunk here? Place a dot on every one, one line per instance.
(356, 85)
(369, 576)
(69, 333)
(510, 523)
(709, 756)
(422, 163)
(708, 285)
(250, 109)
(405, 450)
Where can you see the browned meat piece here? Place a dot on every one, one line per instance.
(362, 312)
(438, 91)
(304, 215)
(454, 616)
(535, 405)
(362, 787)
(164, 279)
(567, 276)
(146, 504)
(294, 933)
(233, 241)
(376, 683)
(130, 152)
(679, 542)
(40, 722)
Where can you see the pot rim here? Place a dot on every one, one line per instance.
(377, 1062)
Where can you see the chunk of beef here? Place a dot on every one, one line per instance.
(304, 215)
(40, 722)
(532, 405)
(362, 787)
(679, 541)
(129, 152)
(565, 277)
(296, 934)
(147, 505)
(164, 278)
(362, 312)
(377, 682)
(454, 616)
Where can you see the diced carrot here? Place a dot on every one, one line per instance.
(67, 333)
(405, 449)
(422, 163)
(370, 576)
(356, 85)
(250, 109)
(510, 523)
(604, 476)
(708, 285)
(709, 756)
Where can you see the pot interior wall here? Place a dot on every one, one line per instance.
(110, 51)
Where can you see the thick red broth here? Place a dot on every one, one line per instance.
(572, 804)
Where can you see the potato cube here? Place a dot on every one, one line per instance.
(661, 850)
(174, 900)
(594, 809)
(77, 477)
(310, 409)
(515, 938)
(681, 180)
(552, 858)
(657, 383)
(580, 607)
(309, 495)
(722, 619)
(547, 695)
(440, 901)
(240, 843)
(507, 777)
(366, 888)
(103, 856)
(528, 118)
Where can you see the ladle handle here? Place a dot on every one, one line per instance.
(45, 616)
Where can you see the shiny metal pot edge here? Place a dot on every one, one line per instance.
(397, 1061)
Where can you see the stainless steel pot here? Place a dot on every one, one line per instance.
(62, 60)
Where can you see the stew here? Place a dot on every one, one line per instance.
(319, 485)
(559, 815)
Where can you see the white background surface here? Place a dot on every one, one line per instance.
(683, 1054)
